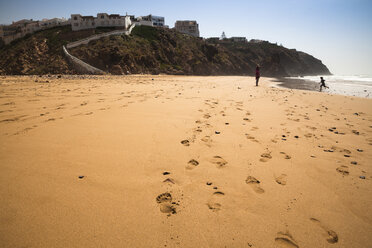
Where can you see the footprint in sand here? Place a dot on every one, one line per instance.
(206, 116)
(282, 179)
(185, 142)
(286, 156)
(251, 138)
(330, 235)
(169, 180)
(265, 157)
(275, 140)
(255, 184)
(198, 130)
(214, 206)
(165, 202)
(218, 161)
(312, 128)
(355, 132)
(285, 240)
(308, 135)
(214, 202)
(343, 170)
(192, 164)
(207, 140)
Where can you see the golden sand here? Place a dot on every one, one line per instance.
(177, 161)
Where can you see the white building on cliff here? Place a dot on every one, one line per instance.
(150, 20)
(187, 27)
(79, 22)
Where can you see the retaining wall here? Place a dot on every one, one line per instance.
(80, 66)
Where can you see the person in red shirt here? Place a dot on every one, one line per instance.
(257, 74)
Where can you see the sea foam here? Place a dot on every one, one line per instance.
(360, 86)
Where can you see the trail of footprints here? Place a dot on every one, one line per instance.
(214, 203)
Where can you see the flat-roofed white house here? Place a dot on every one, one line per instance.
(157, 21)
(187, 27)
(79, 22)
(32, 27)
(54, 22)
(150, 20)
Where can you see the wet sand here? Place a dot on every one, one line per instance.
(181, 161)
(299, 84)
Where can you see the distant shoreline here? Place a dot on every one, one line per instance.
(339, 85)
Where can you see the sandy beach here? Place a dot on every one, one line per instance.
(181, 161)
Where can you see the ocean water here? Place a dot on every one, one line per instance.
(360, 86)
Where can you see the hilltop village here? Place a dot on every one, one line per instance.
(78, 22)
(21, 28)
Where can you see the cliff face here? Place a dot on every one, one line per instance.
(153, 50)
(41, 52)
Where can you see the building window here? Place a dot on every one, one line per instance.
(75, 18)
(102, 17)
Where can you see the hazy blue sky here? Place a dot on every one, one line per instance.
(339, 32)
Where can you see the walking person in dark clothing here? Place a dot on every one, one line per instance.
(257, 74)
(322, 84)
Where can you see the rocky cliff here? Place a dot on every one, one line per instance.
(154, 50)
